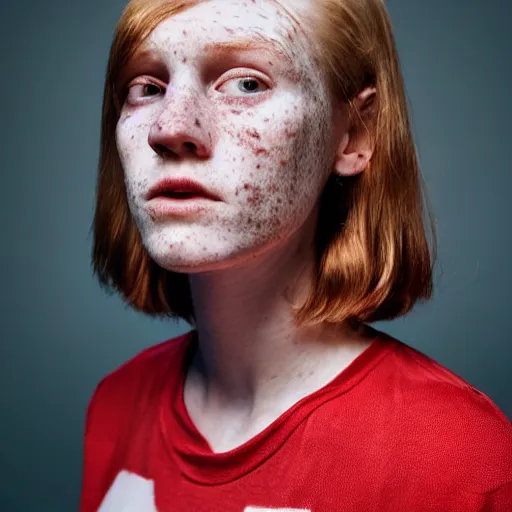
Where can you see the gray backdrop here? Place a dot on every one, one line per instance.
(60, 334)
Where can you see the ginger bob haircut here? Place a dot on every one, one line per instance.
(374, 255)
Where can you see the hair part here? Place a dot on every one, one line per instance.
(375, 239)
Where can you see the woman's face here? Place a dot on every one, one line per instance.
(228, 94)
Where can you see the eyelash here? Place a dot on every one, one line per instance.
(240, 77)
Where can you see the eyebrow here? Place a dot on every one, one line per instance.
(248, 44)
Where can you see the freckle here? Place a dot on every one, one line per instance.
(270, 62)
(283, 162)
(279, 201)
(258, 226)
(236, 111)
(133, 137)
(258, 166)
(174, 52)
(184, 60)
(198, 123)
(266, 120)
(184, 32)
(237, 192)
(290, 201)
(243, 159)
(204, 248)
(188, 238)
(249, 220)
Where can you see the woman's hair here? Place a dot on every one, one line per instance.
(375, 239)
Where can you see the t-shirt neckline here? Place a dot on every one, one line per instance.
(192, 452)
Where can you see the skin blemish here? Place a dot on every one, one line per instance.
(253, 133)
(236, 112)
(256, 198)
(260, 151)
(198, 123)
(258, 166)
(184, 60)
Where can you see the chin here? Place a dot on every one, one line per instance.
(188, 260)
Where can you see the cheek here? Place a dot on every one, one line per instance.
(132, 144)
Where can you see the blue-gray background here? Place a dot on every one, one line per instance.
(60, 334)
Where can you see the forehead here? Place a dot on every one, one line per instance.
(281, 21)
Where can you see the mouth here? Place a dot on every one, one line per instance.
(180, 189)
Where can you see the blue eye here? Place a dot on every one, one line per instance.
(243, 86)
(248, 85)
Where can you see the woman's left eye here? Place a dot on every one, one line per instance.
(243, 86)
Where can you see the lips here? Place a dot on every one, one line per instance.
(180, 188)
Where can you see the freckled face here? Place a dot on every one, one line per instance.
(251, 125)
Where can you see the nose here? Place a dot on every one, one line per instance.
(180, 129)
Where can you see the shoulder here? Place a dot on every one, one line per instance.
(129, 385)
(421, 417)
(446, 426)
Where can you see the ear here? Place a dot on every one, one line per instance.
(355, 137)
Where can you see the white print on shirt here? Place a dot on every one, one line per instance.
(132, 493)
(129, 493)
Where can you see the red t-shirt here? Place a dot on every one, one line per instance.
(394, 431)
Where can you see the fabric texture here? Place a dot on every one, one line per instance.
(394, 431)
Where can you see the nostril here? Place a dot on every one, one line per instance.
(190, 146)
(164, 150)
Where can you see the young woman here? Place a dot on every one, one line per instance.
(258, 179)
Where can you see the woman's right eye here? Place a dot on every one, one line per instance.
(143, 90)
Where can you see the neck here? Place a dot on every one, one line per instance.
(250, 350)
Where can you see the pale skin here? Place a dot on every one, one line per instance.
(255, 144)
